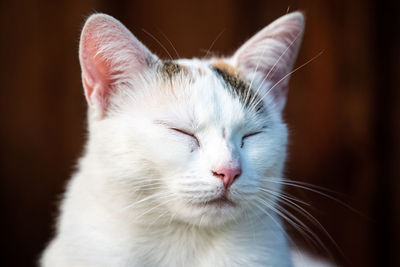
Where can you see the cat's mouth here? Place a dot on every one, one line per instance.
(220, 202)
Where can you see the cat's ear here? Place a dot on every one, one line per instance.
(109, 56)
(268, 57)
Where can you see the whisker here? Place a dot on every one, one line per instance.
(310, 185)
(288, 74)
(301, 186)
(135, 187)
(286, 195)
(159, 195)
(274, 66)
(297, 224)
(153, 208)
(155, 39)
(315, 239)
(154, 222)
(263, 211)
(169, 41)
(306, 214)
(253, 77)
(213, 42)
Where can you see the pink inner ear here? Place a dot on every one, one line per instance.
(95, 75)
(278, 59)
(270, 55)
(110, 56)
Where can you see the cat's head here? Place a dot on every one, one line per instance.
(191, 139)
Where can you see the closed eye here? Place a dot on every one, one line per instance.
(188, 134)
(249, 135)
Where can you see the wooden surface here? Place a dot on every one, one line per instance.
(343, 109)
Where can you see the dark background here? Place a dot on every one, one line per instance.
(343, 109)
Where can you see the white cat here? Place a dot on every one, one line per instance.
(183, 161)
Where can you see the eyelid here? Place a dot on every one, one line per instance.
(181, 131)
(186, 133)
(251, 134)
(248, 135)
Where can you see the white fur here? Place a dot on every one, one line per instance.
(137, 198)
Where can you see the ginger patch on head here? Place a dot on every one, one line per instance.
(231, 76)
(237, 85)
(173, 73)
(170, 69)
(229, 69)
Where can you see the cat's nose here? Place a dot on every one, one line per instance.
(227, 174)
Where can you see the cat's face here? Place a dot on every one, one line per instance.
(207, 148)
(195, 139)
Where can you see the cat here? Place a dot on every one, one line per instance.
(184, 158)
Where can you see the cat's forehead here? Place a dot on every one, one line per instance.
(219, 74)
(209, 92)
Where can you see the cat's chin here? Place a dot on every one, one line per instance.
(211, 213)
(218, 203)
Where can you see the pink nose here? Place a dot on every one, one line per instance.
(227, 175)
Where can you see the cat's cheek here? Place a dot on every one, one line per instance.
(194, 147)
(255, 152)
(173, 153)
(188, 145)
(261, 158)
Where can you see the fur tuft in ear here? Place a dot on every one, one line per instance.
(109, 56)
(268, 57)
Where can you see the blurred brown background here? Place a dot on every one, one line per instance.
(343, 109)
